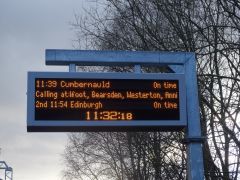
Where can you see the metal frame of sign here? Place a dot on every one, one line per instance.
(84, 125)
(195, 170)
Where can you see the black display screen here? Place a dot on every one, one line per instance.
(106, 99)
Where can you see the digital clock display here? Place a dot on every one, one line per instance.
(109, 115)
(101, 98)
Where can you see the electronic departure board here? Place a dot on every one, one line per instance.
(105, 101)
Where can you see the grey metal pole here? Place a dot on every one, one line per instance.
(195, 170)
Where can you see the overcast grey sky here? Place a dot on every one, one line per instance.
(27, 28)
